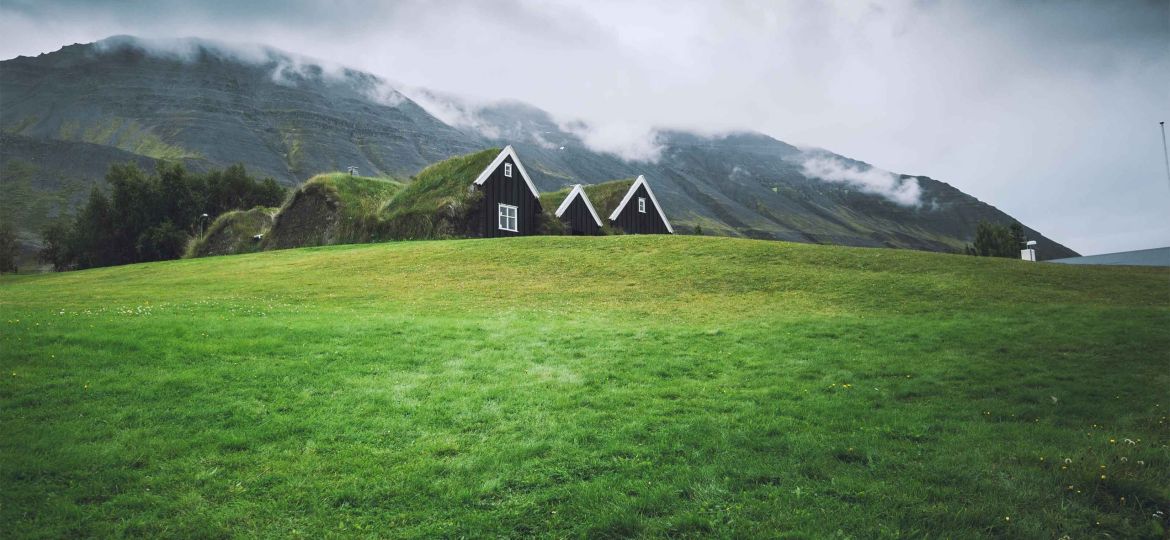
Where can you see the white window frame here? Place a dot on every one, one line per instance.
(504, 218)
(642, 205)
(508, 170)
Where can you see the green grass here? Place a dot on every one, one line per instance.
(586, 387)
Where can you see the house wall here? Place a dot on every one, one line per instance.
(633, 222)
(499, 189)
(578, 221)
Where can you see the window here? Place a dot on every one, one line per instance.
(642, 205)
(508, 170)
(508, 218)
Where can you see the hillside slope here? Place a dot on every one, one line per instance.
(211, 105)
(586, 387)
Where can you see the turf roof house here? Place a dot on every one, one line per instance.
(511, 203)
(639, 211)
(578, 214)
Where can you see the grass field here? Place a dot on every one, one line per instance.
(586, 387)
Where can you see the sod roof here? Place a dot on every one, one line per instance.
(358, 195)
(604, 196)
(445, 183)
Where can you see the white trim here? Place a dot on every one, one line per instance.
(507, 151)
(578, 190)
(641, 181)
(515, 217)
(507, 170)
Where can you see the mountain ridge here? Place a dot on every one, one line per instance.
(290, 118)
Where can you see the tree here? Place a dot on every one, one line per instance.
(149, 217)
(88, 243)
(995, 240)
(56, 250)
(162, 242)
(9, 249)
(1018, 237)
(698, 229)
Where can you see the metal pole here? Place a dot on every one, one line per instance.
(1165, 155)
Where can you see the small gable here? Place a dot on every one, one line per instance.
(639, 211)
(578, 214)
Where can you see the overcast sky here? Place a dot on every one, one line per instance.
(1047, 110)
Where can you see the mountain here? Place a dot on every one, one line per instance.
(209, 105)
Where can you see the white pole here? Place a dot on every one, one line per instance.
(1165, 155)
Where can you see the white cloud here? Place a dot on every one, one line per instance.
(458, 112)
(630, 141)
(903, 191)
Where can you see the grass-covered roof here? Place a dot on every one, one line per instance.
(442, 184)
(358, 195)
(604, 196)
(331, 208)
(233, 232)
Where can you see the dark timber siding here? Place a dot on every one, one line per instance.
(633, 222)
(499, 189)
(578, 221)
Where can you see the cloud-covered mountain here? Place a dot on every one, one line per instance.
(210, 104)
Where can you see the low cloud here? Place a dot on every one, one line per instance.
(456, 112)
(186, 49)
(286, 68)
(628, 141)
(901, 190)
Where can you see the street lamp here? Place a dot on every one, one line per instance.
(202, 218)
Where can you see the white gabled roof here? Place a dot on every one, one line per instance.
(507, 151)
(578, 191)
(641, 181)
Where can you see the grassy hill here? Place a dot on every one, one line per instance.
(574, 386)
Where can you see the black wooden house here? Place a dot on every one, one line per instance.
(639, 211)
(511, 203)
(578, 214)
